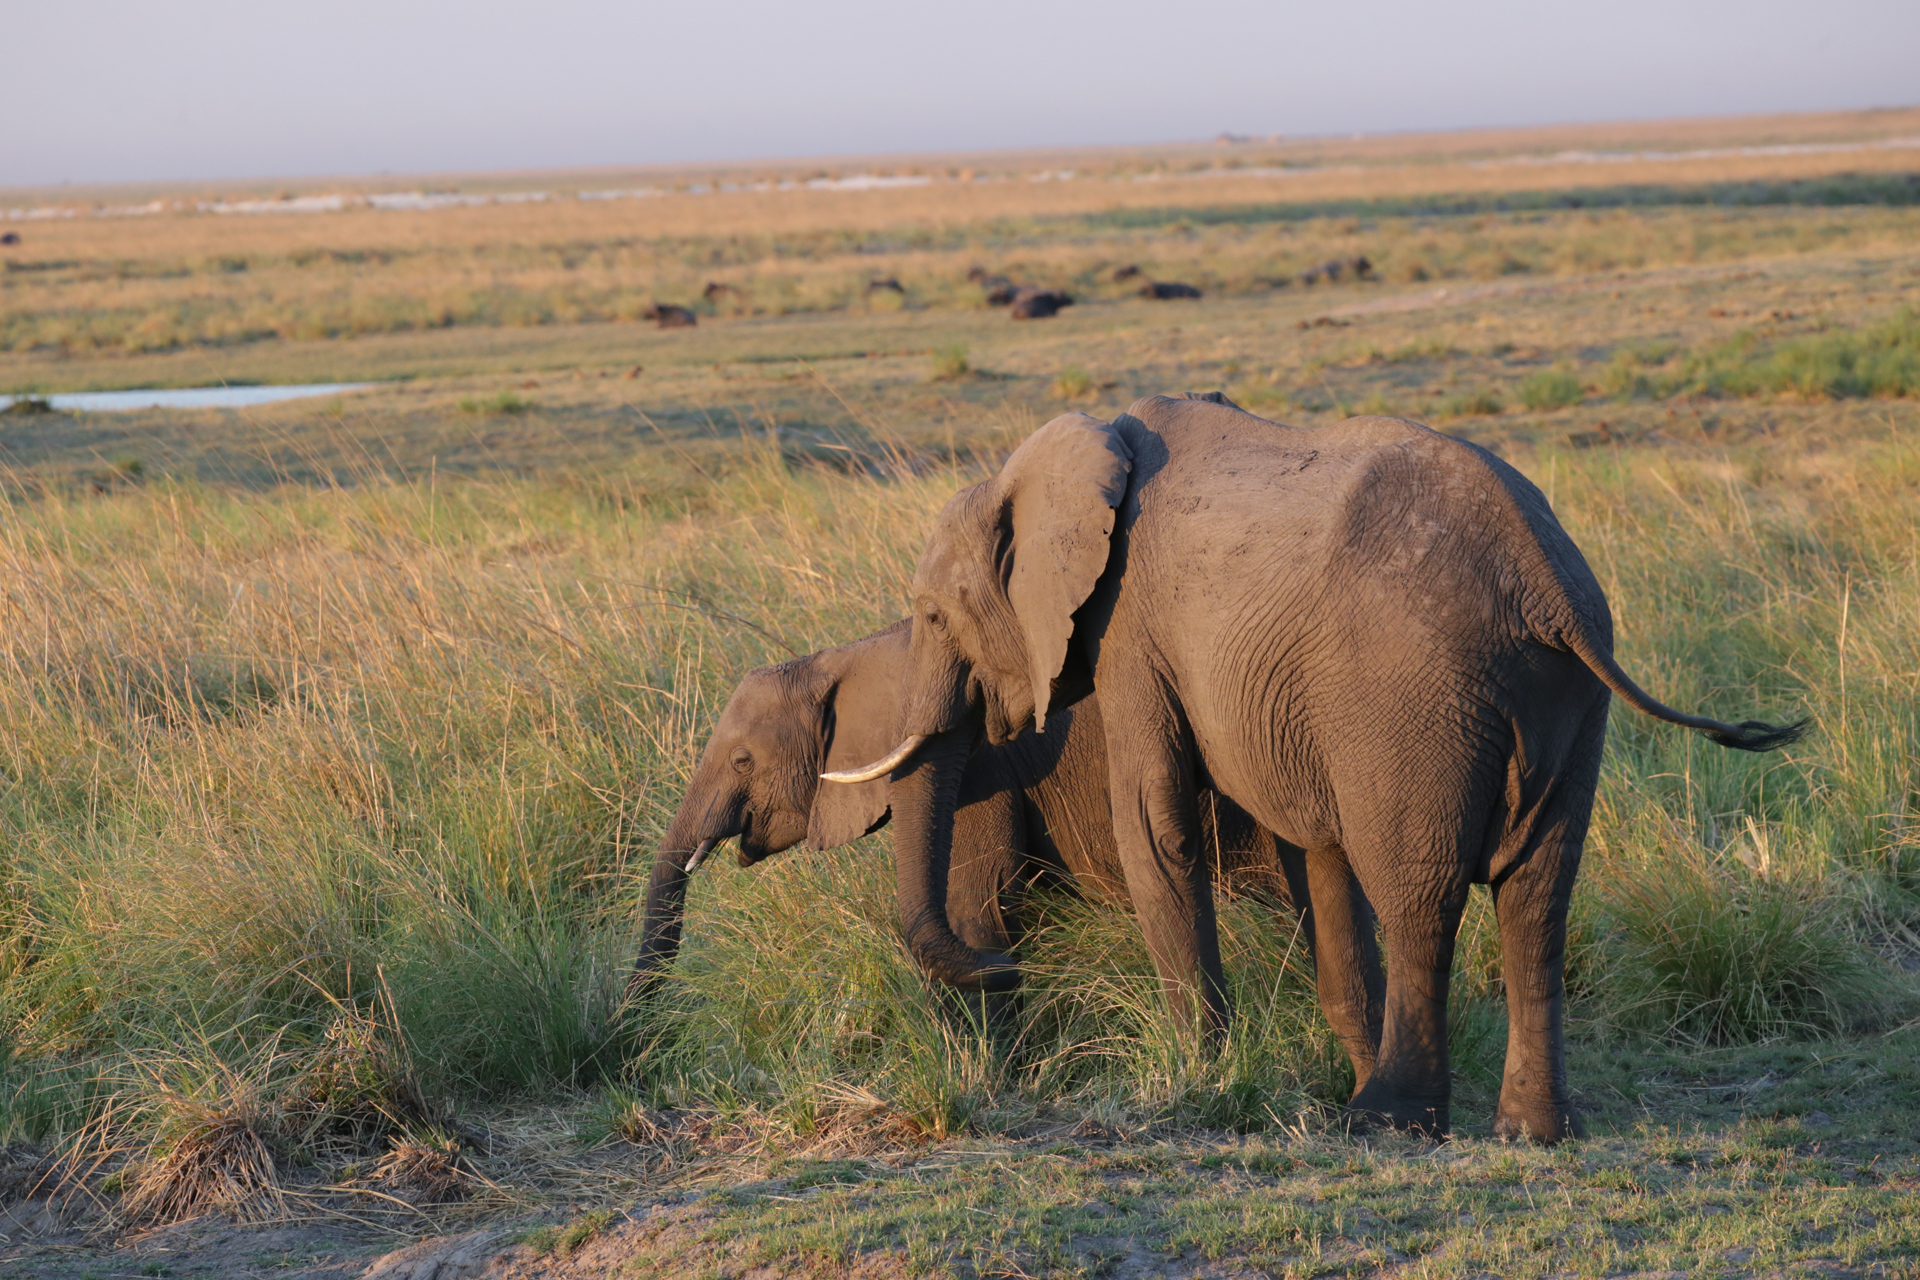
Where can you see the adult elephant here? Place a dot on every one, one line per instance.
(1374, 638)
(1028, 809)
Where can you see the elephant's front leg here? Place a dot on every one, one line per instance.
(1157, 831)
(989, 843)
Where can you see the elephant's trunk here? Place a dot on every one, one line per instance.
(666, 909)
(710, 812)
(924, 796)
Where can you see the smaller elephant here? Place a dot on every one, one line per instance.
(1163, 290)
(1032, 809)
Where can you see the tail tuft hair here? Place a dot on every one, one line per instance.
(1758, 735)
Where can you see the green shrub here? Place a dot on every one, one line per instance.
(950, 362)
(501, 402)
(1554, 388)
(1072, 383)
(1470, 404)
(1624, 379)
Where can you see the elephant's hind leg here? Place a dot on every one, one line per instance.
(1532, 887)
(1413, 827)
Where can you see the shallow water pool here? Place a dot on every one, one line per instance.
(187, 397)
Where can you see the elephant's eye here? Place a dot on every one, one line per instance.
(937, 620)
(742, 760)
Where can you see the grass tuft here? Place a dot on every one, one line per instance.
(1470, 404)
(503, 402)
(949, 362)
(1551, 389)
(1735, 947)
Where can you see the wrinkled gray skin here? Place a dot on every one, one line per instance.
(1375, 639)
(1032, 808)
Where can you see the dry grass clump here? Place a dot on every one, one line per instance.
(222, 1129)
(205, 1157)
(357, 1087)
(426, 1172)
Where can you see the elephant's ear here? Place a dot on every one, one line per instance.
(858, 724)
(1061, 488)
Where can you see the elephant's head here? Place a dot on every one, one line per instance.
(759, 777)
(1010, 563)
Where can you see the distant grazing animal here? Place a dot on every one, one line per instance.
(1038, 304)
(716, 289)
(1164, 289)
(1332, 271)
(1127, 272)
(11, 237)
(978, 274)
(668, 316)
(879, 283)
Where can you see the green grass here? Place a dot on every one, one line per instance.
(1880, 359)
(500, 402)
(1550, 389)
(950, 362)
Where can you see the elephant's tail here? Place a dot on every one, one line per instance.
(1748, 735)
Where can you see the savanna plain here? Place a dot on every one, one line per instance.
(337, 736)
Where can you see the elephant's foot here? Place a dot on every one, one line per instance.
(1378, 1107)
(1545, 1122)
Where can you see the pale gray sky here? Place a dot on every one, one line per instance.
(103, 90)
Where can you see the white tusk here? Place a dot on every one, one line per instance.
(881, 768)
(700, 853)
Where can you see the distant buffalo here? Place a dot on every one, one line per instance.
(1001, 291)
(1332, 271)
(1127, 272)
(716, 289)
(978, 274)
(879, 283)
(1038, 304)
(668, 316)
(1164, 289)
(11, 237)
